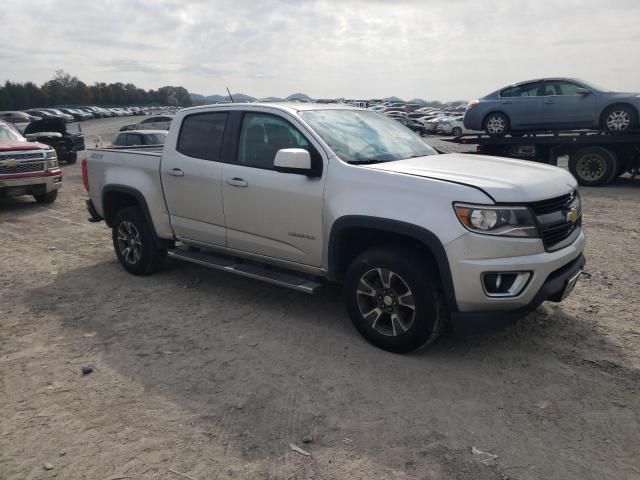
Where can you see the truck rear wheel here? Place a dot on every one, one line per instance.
(134, 243)
(48, 197)
(394, 299)
(593, 166)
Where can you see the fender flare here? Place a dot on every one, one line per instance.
(142, 202)
(414, 232)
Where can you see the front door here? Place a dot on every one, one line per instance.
(192, 179)
(565, 107)
(278, 215)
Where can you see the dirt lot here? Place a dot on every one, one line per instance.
(201, 375)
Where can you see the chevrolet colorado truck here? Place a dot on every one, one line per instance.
(27, 168)
(301, 195)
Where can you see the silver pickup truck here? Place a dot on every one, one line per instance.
(300, 195)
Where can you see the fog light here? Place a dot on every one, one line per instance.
(504, 284)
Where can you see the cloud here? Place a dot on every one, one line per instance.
(432, 49)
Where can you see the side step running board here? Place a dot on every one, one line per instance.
(218, 262)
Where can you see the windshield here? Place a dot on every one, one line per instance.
(593, 86)
(8, 134)
(366, 137)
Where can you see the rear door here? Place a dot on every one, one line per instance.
(270, 213)
(192, 179)
(566, 108)
(522, 105)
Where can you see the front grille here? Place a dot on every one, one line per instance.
(553, 204)
(27, 167)
(21, 156)
(552, 217)
(554, 235)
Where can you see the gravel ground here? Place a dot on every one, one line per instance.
(201, 375)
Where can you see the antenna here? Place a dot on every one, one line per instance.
(229, 94)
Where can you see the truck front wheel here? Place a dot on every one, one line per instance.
(394, 299)
(134, 243)
(48, 197)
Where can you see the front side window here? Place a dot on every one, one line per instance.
(366, 137)
(201, 135)
(561, 88)
(261, 137)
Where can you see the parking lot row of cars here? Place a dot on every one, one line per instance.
(424, 120)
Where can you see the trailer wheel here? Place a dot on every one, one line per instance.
(593, 166)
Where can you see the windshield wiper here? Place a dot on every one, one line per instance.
(366, 161)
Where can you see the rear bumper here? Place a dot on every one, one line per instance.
(474, 323)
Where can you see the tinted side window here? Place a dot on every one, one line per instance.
(561, 88)
(262, 135)
(120, 139)
(526, 90)
(201, 135)
(134, 139)
(149, 120)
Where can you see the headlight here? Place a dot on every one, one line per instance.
(50, 154)
(500, 220)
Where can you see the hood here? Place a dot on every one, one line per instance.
(12, 146)
(503, 179)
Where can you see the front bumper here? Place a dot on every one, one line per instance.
(27, 184)
(473, 323)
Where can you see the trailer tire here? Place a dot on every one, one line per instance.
(593, 166)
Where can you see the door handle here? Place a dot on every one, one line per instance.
(236, 182)
(175, 172)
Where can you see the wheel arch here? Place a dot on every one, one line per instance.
(116, 197)
(351, 235)
(618, 104)
(502, 112)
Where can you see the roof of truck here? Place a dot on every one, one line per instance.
(287, 106)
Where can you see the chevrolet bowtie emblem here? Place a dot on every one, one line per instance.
(9, 163)
(573, 215)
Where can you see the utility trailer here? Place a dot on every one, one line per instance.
(595, 157)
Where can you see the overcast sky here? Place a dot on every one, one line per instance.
(433, 49)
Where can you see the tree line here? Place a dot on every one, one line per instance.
(66, 89)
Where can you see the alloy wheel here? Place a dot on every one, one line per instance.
(495, 125)
(129, 242)
(618, 120)
(386, 301)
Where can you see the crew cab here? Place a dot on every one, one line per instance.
(301, 195)
(27, 168)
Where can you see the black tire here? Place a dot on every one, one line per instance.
(457, 131)
(72, 158)
(49, 197)
(593, 166)
(619, 118)
(143, 257)
(492, 123)
(420, 325)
